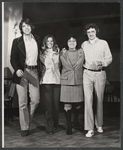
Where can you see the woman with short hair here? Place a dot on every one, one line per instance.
(71, 80)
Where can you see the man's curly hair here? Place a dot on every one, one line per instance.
(91, 25)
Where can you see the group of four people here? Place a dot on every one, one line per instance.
(54, 75)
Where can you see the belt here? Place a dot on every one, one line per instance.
(30, 67)
(95, 70)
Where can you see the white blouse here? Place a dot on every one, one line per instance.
(52, 73)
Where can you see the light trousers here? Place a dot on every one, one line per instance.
(29, 83)
(93, 82)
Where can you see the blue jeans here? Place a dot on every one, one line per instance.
(29, 83)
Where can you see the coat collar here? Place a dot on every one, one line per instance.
(21, 44)
(20, 39)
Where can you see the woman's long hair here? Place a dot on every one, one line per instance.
(44, 47)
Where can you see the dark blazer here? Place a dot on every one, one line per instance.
(18, 56)
(72, 75)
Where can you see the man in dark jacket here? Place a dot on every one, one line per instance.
(25, 62)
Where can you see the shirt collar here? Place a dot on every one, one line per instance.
(93, 41)
(26, 39)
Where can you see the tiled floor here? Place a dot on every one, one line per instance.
(38, 138)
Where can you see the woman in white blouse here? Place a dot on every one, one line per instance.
(50, 82)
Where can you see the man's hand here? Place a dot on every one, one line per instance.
(19, 73)
(42, 58)
(93, 67)
(62, 51)
(97, 64)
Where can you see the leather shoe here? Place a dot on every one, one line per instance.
(50, 132)
(55, 128)
(24, 133)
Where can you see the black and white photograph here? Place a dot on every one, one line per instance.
(61, 74)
